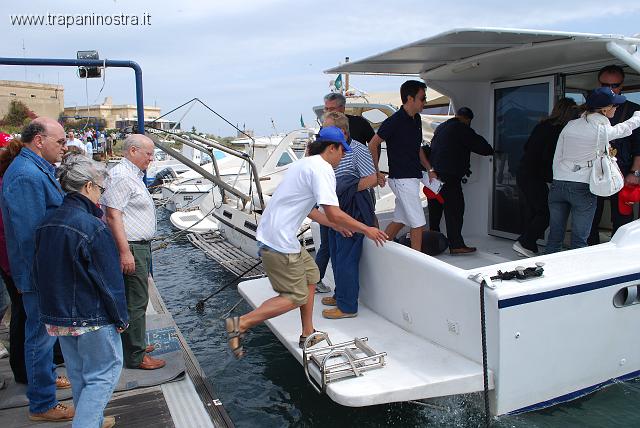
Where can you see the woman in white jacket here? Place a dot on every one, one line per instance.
(572, 163)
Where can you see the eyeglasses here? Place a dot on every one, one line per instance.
(610, 85)
(61, 141)
(102, 189)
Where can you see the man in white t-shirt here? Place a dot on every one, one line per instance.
(291, 270)
(72, 141)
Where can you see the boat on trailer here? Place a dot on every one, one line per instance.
(555, 327)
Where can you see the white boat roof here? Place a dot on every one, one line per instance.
(481, 54)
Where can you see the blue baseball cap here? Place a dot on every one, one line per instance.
(602, 97)
(333, 134)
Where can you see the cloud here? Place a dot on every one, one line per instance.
(257, 59)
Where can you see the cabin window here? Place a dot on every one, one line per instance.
(285, 159)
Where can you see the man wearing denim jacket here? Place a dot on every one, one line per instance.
(29, 192)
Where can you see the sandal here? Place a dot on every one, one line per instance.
(62, 382)
(314, 341)
(234, 337)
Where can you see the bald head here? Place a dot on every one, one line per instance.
(138, 149)
(45, 137)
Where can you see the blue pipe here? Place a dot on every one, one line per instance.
(90, 63)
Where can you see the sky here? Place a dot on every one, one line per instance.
(260, 63)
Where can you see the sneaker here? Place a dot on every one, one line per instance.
(108, 422)
(336, 313)
(321, 287)
(58, 414)
(3, 351)
(329, 301)
(518, 248)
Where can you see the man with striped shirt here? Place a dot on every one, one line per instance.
(355, 175)
(131, 216)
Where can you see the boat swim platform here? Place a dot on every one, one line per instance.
(415, 368)
(185, 403)
(216, 247)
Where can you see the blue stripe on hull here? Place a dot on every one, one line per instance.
(576, 394)
(576, 289)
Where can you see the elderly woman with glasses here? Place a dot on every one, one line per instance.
(81, 290)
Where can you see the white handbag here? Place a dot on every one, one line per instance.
(606, 178)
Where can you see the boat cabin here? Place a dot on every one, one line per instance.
(549, 338)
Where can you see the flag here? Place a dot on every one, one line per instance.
(338, 82)
(301, 121)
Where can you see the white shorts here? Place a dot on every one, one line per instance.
(408, 207)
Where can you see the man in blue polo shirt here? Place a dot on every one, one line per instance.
(403, 133)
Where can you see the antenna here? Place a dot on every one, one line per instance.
(24, 55)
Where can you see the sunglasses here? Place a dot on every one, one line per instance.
(611, 85)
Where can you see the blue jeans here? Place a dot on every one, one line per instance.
(345, 261)
(94, 363)
(568, 197)
(322, 253)
(38, 350)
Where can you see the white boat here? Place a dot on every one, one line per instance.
(549, 339)
(270, 160)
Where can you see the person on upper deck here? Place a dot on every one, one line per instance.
(355, 175)
(535, 172)
(627, 153)
(402, 132)
(359, 128)
(82, 300)
(572, 163)
(308, 182)
(451, 147)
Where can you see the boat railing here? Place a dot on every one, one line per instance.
(237, 153)
(215, 177)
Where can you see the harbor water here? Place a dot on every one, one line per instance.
(268, 387)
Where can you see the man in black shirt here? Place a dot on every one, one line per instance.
(359, 128)
(627, 152)
(403, 133)
(452, 143)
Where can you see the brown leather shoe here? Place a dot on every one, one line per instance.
(336, 313)
(62, 382)
(108, 422)
(329, 301)
(462, 250)
(149, 349)
(150, 363)
(59, 413)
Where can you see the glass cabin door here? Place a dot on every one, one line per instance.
(517, 107)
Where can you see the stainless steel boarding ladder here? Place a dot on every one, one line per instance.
(346, 359)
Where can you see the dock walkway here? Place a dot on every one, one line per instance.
(186, 403)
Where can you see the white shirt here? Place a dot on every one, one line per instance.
(126, 192)
(307, 182)
(76, 143)
(89, 148)
(578, 141)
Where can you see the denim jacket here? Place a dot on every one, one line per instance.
(29, 192)
(76, 269)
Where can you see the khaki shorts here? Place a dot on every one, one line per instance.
(290, 274)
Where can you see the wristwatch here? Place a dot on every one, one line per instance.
(635, 173)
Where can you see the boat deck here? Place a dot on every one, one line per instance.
(491, 250)
(415, 368)
(185, 403)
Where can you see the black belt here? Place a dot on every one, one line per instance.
(140, 242)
